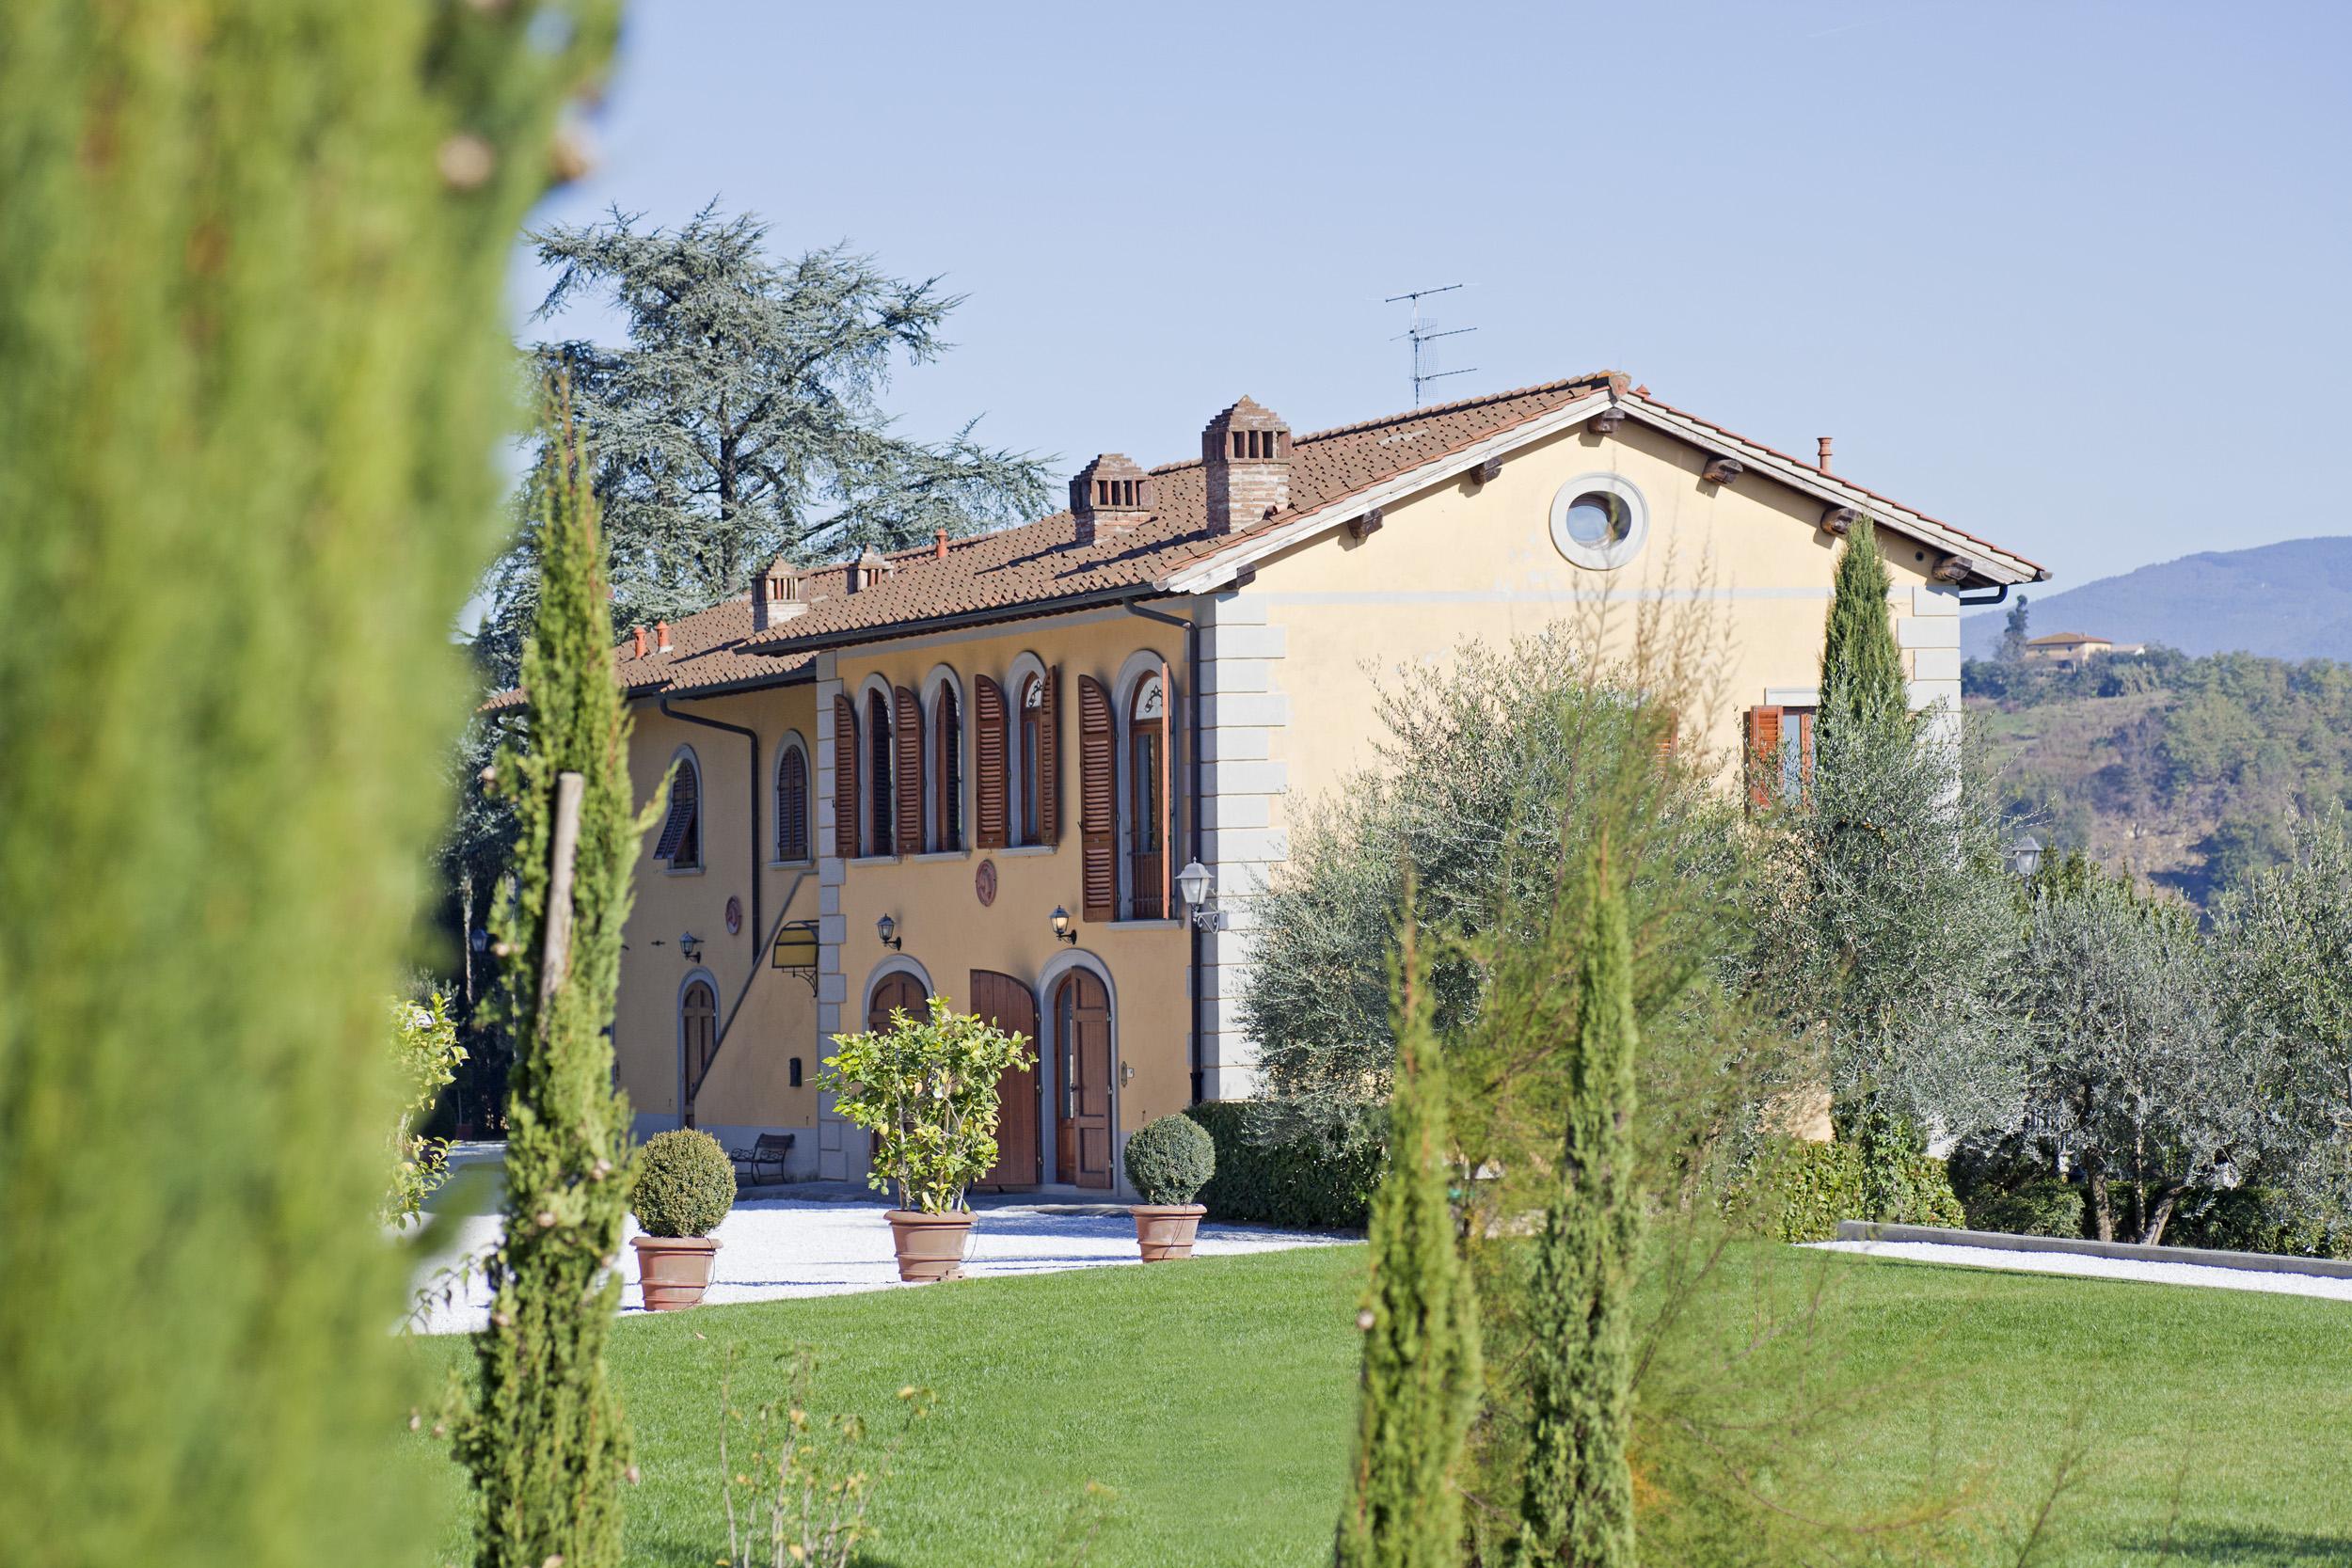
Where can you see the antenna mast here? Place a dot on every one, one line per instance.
(1418, 335)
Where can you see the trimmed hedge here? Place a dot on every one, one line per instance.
(1305, 1184)
(2048, 1207)
(1819, 1184)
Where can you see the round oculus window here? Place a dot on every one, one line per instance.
(1599, 521)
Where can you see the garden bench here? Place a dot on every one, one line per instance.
(768, 1149)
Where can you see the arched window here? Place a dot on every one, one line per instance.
(946, 781)
(881, 803)
(697, 1033)
(1146, 800)
(792, 802)
(1030, 767)
(681, 841)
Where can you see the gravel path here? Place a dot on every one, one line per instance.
(2099, 1267)
(775, 1248)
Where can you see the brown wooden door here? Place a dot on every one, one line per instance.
(1020, 1153)
(895, 990)
(1082, 1038)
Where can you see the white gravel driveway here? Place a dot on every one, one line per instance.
(2085, 1267)
(773, 1247)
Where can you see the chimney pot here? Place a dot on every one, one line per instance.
(939, 545)
(638, 635)
(1246, 452)
(1823, 463)
(661, 635)
(867, 570)
(781, 594)
(1110, 495)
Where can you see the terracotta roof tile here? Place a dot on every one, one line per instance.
(1038, 566)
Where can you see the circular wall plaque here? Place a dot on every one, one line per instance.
(984, 883)
(735, 915)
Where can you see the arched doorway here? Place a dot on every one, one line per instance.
(897, 990)
(1020, 1152)
(698, 1040)
(1082, 1046)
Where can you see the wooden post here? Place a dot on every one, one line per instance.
(556, 962)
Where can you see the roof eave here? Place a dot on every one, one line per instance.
(1025, 610)
(1994, 566)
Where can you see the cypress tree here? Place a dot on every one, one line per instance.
(1863, 719)
(253, 373)
(1578, 1504)
(546, 1441)
(1420, 1376)
(1862, 668)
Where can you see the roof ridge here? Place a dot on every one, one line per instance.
(1435, 409)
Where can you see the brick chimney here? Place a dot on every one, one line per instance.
(1247, 451)
(868, 570)
(1109, 495)
(781, 594)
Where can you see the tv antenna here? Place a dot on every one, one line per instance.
(1419, 334)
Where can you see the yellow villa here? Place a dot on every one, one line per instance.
(984, 768)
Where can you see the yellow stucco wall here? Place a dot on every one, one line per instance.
(1469, 560)
(750, 1083)
(1329, 619)
(941, 923)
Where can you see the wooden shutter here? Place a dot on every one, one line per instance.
(988, 753)
(1098, 801)
(681, 843)
(909, 772)
(844, 778)
(1763, 754)
(1049, 760)
(792, 806)
(1168, 794)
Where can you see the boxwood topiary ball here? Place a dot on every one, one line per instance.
(1171, 1160)
(685, 1184)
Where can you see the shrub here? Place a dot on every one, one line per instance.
(1171, 1160)
(1816, 1185)
(685, 1184)
(425, 1058)
(1321, 1180)
(926, 1089)
(2044, 1207)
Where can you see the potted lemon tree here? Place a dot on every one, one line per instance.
(1169, 1162)
(685, 1186)
(926, 1088)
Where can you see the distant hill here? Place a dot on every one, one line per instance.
(2290, 600)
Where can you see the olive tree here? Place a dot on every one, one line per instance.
(2285, 937)
(2127, 1059)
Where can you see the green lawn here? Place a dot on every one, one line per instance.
(1216, 1398)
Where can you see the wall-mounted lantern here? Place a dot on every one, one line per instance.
(1192, 886)
(1059, 920)
(887, 929)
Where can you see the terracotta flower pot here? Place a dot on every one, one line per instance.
(673, 1271)
(1165, 1230)
(931, 1246)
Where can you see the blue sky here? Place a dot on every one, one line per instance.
(2070, 275)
